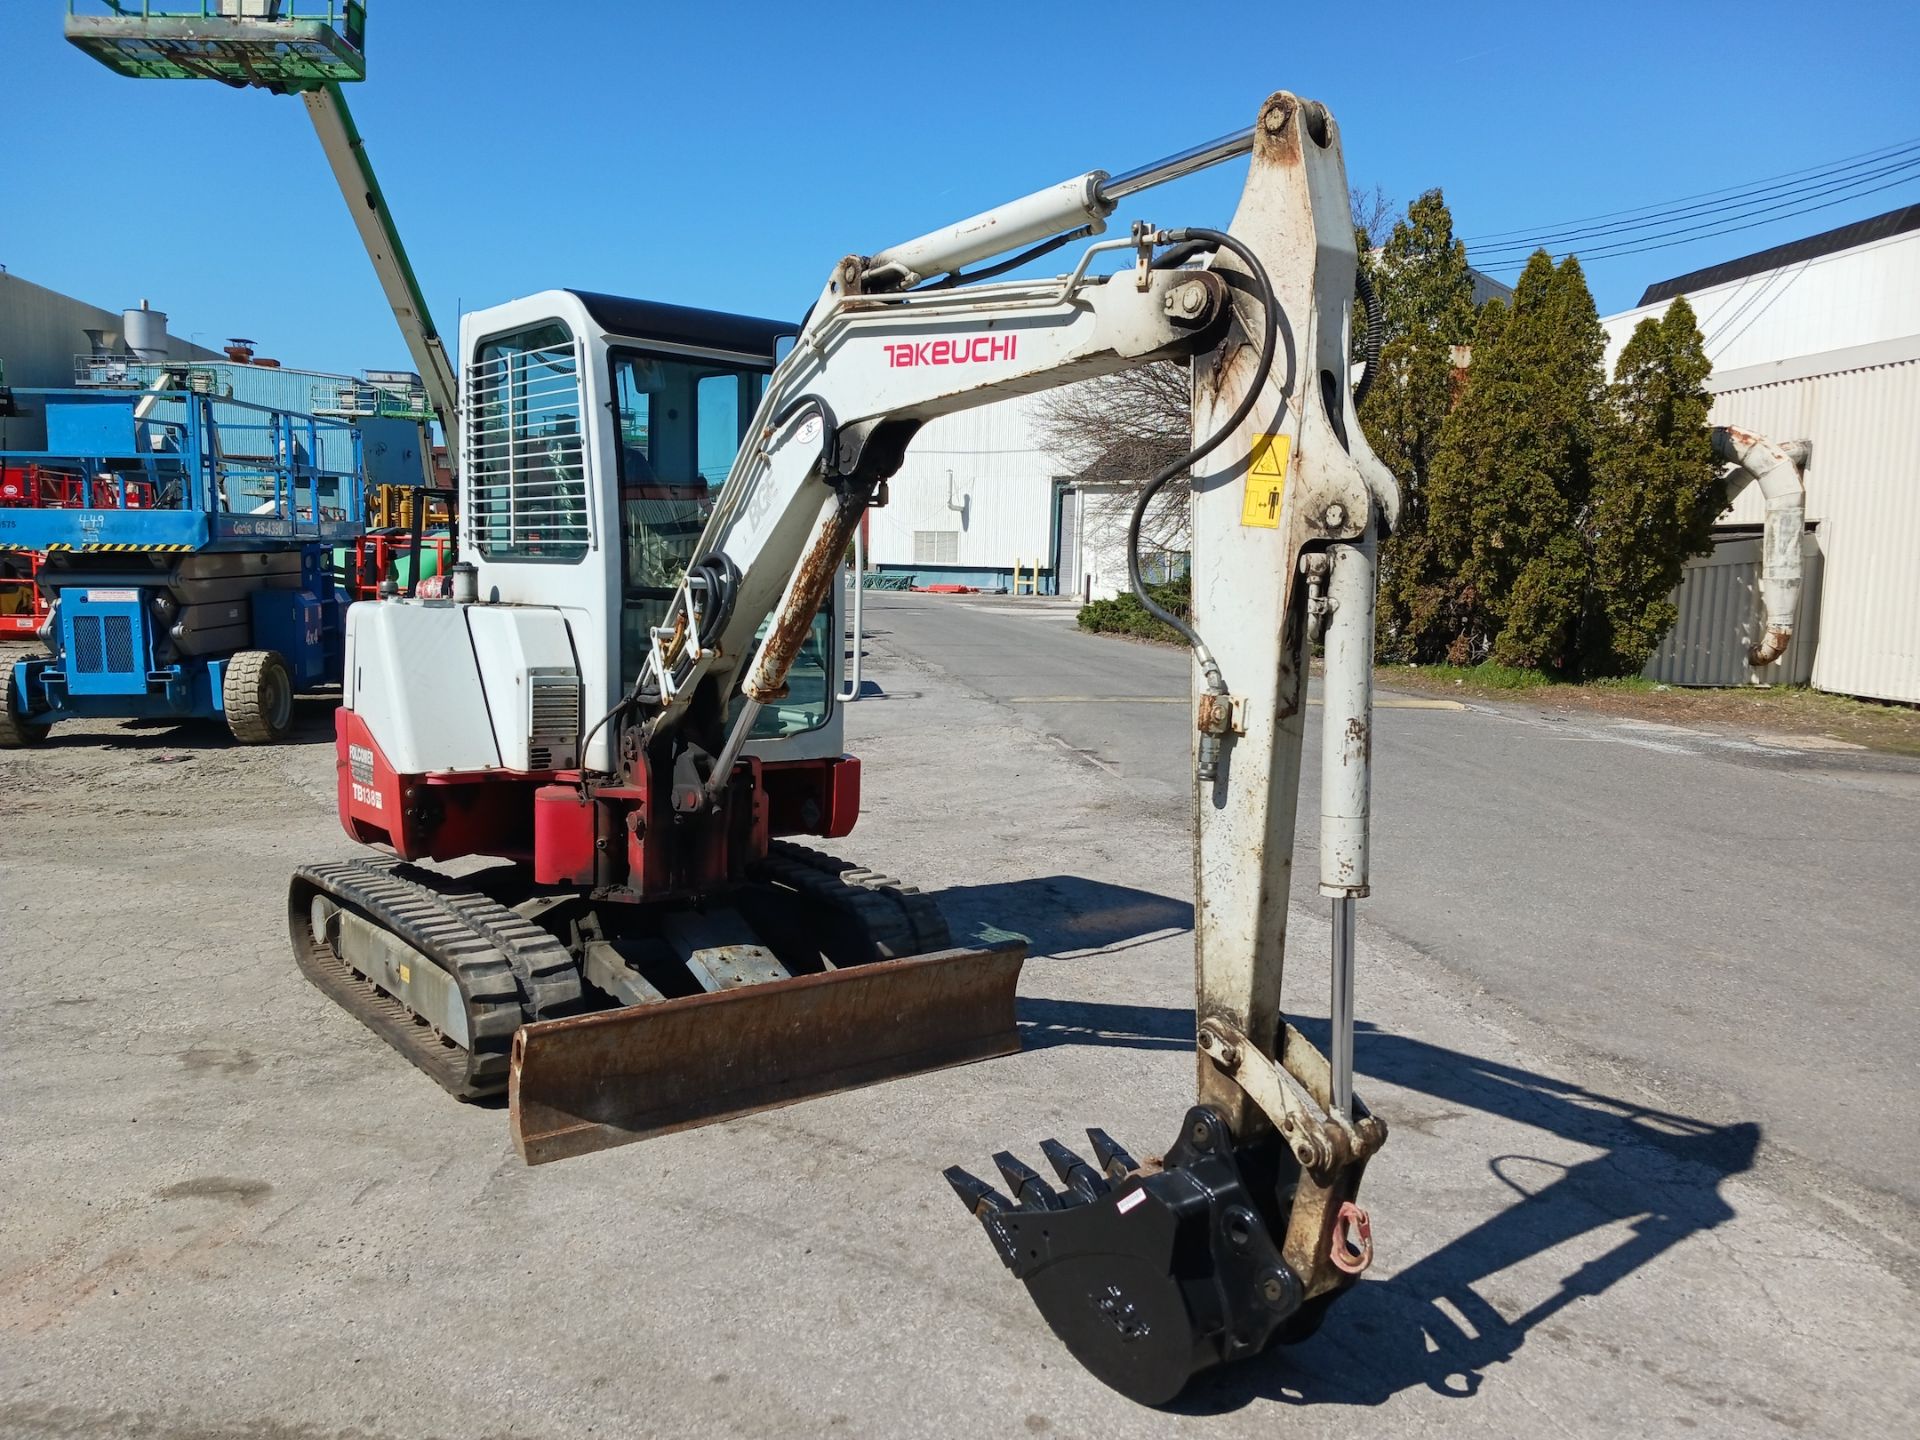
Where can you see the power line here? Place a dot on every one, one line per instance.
(1720, 341)
(1729, 190)
(1610, 253)
(1745, 202)
(1737, 211)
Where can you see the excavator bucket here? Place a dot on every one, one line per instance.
(595, 1081)
(1152, 1273)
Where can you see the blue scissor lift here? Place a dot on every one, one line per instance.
(187, 542)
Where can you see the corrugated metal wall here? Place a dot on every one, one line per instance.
(1863, 487)
(1720, 618)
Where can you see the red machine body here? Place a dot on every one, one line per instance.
(623, 840)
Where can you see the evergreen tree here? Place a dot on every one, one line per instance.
(1657, 491)
(1426, 293)
(1513, 478)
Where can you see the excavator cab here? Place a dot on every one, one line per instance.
(597, 433)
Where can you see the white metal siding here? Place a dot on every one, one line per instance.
(1853, 297)
(1863, 487)
(1000, 476)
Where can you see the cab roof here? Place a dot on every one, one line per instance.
(684, 324)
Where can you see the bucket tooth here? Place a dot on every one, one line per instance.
(977, 1195)
(1078, 1176)
(1025, 1182)
(1117, 1163)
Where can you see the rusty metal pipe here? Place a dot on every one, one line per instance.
(806, 592)
(1779, 470)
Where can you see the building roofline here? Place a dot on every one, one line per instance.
(1827, 242)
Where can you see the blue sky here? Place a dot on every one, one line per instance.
(727, 154)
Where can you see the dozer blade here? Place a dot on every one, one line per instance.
(596, 1081)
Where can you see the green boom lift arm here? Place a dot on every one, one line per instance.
(286, 49)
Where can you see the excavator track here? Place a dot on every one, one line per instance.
(505, 969)
(897, 917)
(548, 974)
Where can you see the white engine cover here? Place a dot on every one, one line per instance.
(444, 687)
(532, 684)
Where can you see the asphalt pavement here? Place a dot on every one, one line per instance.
(1736, 922)
(232, 1213)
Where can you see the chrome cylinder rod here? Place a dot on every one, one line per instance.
(1082, 202)
(730, 752)
(1173, 167)
(1340, 1048)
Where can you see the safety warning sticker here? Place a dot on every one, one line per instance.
(1266, 478)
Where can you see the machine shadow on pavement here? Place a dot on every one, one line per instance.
(312, 725)
(1065, 916)
(1657, 1173)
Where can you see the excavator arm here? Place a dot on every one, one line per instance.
(1248, 1226)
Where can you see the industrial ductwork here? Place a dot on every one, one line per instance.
(1779, 469)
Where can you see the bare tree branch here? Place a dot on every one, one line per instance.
(1119, 431)
(1373, 214)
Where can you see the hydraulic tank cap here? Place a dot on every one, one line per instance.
(465, 582)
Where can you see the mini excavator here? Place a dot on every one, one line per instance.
(626, 694)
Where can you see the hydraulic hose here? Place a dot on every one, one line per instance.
(625, 702)
(1376, 332)
(1045, 247)
(1269, 333)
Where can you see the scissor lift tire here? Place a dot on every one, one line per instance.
(258, 692)
(16, 733)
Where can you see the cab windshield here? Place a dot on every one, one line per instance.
(678, 423)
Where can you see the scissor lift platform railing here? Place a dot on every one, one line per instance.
(175, 477)
(282, 46)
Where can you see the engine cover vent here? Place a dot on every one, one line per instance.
(553, 719)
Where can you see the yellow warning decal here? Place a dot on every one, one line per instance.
(406, 974)
(1266, 478)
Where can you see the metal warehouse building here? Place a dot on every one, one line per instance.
(981, 499)
(1818, 340)
(42, 331)
(52, 341)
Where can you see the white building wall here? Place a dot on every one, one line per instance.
(1854, 297)
(1860, 410)
(1828, 351)
(982, 475)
